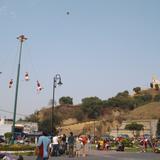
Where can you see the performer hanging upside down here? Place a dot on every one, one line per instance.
(10, 83)
(39, 87)
(27, 76)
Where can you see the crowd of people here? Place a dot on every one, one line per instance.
(79, 145)
(58, 145)
(119, 143)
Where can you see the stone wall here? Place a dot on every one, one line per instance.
(150, 127)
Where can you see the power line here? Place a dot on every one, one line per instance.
(20, 114)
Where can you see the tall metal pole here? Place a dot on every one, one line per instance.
(54, 86)
(21, 38)
(94, 127)
(56, 81)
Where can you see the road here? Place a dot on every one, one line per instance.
(110, 155)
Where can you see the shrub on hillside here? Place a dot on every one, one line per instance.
(79, 115)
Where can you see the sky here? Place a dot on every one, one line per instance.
(100, 48)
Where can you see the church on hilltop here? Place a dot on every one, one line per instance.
(155, 84)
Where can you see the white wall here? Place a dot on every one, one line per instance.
(5, 128)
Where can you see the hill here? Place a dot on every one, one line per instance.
(148, 111)
(144, 104)
(110, 121)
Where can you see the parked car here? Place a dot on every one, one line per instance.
(121, 137)
(107, 137)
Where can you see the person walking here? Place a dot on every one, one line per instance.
(42, 148)
(71, 144)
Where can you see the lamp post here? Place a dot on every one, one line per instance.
(117, 128)
(56, 81)
(94, 125)
(21, 38)
(94, 130)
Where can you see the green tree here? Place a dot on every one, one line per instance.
(134, 127)
(142, 99)
(124, 102)
(137, 90)
(45, 124)
(123, 94)
(66, 100)
(8, 136)
(92, 106)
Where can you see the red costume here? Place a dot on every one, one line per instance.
(39, 87)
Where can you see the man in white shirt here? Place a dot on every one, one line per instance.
(55, 146)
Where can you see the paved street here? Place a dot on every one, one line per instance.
(111, 155)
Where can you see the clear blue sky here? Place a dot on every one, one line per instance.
(101, 48)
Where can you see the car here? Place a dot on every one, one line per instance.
(124, 136)
(106, 137)
(121, 137)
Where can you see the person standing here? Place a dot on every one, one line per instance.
(55, 145)
(64, 144)
(43, 147)
(71, 144)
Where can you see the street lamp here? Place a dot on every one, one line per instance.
(56, 81)
(94, 125)
(117, 128)
(21, 38)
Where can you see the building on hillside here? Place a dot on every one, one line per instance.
(150, 127)
(21, 126)
(155, 83)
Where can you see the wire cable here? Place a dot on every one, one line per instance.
(6, 111)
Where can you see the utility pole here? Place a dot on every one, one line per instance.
(21, 38)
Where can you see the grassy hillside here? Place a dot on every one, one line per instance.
(148, 111)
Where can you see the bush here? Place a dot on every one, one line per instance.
(16, 147)
(127, 143)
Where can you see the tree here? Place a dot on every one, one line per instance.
(66, 100)
(124, 102)
(8, 136)
(79, 115)
(137, 90)
(142, 99)
(45, 124)
(158, 127)
(92, 106)
(33, 117)
(123, 94)
(156, 87)
(134, 127)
